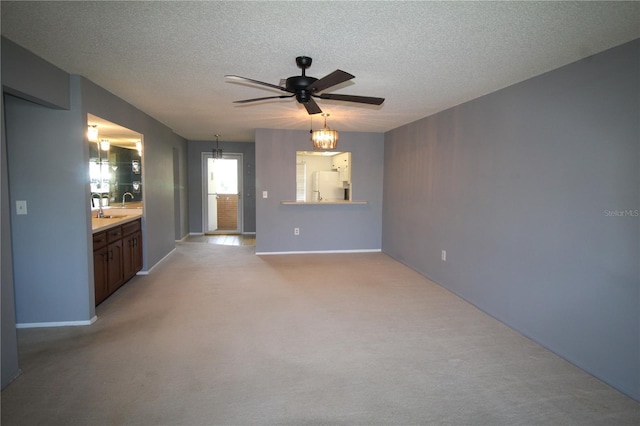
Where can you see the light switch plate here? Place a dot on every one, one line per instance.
(21, 207)
(265, 194)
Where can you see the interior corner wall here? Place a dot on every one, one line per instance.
(30, 77)
(324, 227)
(9, 342)
(180, 191)
(248, 151)
(533, 191)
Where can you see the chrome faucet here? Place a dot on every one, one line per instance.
(124, 195)
(100, 211)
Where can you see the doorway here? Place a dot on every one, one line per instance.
(222, 195)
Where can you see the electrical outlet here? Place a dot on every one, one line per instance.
(265, 194)
(296, 231)
(444, 255)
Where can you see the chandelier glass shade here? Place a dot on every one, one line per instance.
(324, 138)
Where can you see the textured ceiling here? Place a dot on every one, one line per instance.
(169, 58)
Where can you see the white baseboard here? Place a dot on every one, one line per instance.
(148, 271)
(318, 252)
(56, 323)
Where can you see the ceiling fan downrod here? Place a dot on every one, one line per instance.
(303, 62)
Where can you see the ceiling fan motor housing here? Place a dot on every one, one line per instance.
(298, 85)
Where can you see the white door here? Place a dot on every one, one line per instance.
(222, 198)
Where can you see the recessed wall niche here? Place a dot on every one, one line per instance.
(116, 172)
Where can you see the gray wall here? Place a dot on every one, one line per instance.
(520, 187)
(9, 343)
(248, 151)
(48, 165)
(50, 245)
(29, 76)
(322, 227)
(180, 190)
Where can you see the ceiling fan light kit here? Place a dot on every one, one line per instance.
(304, 88)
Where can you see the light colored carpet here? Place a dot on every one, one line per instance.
(219, 336)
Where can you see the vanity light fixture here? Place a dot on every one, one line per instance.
(217, 151)
(324, 138)
(139, 147)
(92, 133)
(104, 144)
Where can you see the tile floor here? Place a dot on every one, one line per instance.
(223, 239)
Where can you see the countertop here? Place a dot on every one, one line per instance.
(122, 216)
(324, 202)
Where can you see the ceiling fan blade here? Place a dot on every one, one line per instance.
(237, 77)
(336, 77)
(262, 99)
(312, 107)
(352, 98)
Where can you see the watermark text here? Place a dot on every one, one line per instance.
(622, 213)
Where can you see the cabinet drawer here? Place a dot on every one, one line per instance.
(99, 240)
(131, 227)
(114, 234)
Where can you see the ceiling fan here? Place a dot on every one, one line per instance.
(306, 88)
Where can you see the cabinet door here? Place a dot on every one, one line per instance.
(137, 251)
(116, 277)
(342, 163)
(100, 274)
(346, 166)
(131, 254)
(335, 164)
(128, 257)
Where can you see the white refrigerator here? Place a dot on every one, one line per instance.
(325, 186)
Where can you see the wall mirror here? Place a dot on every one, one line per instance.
(323, 176)
(115, 164)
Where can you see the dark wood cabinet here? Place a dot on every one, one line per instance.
(131, 249)
(117, 257)
(116, 276)
(100, 270)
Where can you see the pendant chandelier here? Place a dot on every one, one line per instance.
(325, 138)
(217, 151)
